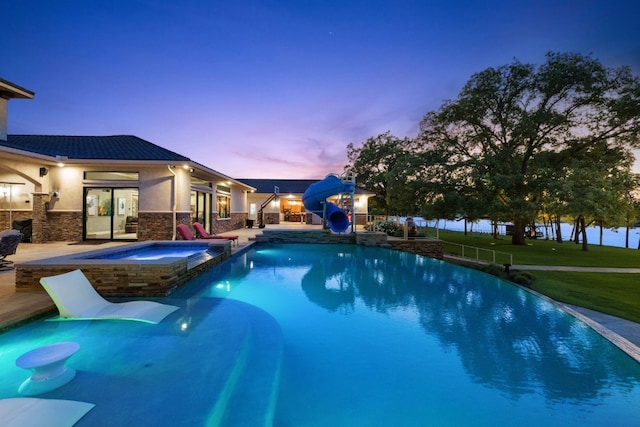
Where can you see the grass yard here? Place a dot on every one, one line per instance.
(548, 252)
(617, 294)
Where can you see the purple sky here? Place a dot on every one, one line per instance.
(277, 89)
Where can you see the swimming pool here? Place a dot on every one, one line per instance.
(342, 335)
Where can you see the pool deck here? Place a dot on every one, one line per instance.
(20, 307)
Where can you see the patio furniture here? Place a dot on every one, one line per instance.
(76, 299)
(32, 411)
(186, 234)
(202, 234)
(131, 224)
(9, 240)
(47, 366)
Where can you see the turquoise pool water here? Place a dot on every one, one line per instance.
(339, 335)
(153, 252)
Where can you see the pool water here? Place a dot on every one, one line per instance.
(154, 252)
(378, 337)
(341, 335)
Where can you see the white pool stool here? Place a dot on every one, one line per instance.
(47, 364)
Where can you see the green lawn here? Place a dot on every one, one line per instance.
(617, 294)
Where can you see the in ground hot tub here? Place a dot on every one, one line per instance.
(139, 269)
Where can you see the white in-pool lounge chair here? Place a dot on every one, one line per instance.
(31, 411)
(76, 299)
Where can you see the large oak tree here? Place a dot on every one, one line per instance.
(510, 126)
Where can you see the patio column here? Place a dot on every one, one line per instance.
(40, 225)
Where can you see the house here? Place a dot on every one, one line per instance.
(118, 187)
(281, 201)
(121, 187)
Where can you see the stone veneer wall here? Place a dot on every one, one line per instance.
(121, 280)
(371, 238)
(15, 215)
(62, 226)
(303, 236)
(431, 248)
(157, 226)
(237, 220)
(40, 224)
(5, 224)
(271, 218)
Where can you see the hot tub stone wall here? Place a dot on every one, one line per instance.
(125, 279)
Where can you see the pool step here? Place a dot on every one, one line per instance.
(254, 398)
(174, 371)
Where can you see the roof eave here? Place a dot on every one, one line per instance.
(10, 90)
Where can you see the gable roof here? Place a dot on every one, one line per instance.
(116, 147)
(286, 186)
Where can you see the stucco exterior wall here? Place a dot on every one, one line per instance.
(61, 218)
(156, 193)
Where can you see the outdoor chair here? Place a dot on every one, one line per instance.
(76, 299)
(201, 233)
(185, 232)
(9, 240)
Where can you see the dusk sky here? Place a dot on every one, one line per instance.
(277, 89)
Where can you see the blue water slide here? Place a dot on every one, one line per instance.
(317, 194)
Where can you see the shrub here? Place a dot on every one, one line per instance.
(494, 270)
(388, 227)
(522, 278)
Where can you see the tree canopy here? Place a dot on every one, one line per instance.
(514, 129)
(518, 140)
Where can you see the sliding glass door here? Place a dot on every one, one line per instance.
(111, 213)
(201, 208)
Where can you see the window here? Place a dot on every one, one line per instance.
(223, 206)
(112, 176)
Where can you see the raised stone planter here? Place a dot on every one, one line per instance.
(431, 248)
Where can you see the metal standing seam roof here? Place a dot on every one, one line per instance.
(116, 147)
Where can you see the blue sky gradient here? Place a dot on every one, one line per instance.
(277, 89)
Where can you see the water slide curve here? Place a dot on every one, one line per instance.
(317, 194)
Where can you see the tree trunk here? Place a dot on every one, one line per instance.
(626, 237)
(545, 224)
(583, 231)
(601, 223)
(465, 226)
(518, 233)
(558, 230)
